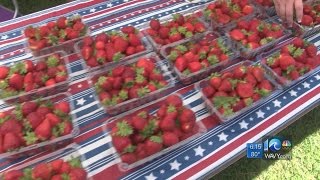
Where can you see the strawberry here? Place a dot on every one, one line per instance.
(54, 120)
(174, 100)
(298, 42)
(120, 44)
(88, 41)
(86, 52)
(43, 130)
(134, 40)
(294, 75)
(13, 175)
(250, 79)
(273, 62)
(42, 111)
(138, 122)
(11, 141)
(62, 22)
(34, 119)
(141, 151)
(167, 123)
(239, 72)
(153, 144)
(67, 128)
(306, 20)
(199, 27)
(121, 144)
(12, 126)
(41, 171)
(247, 9)
(169, 138)
(244, 89)
(77, 174)
(103, 37)
(215, 81)
(311, 50)
(285, 61)
(155, 24)
(61, 76)
(28, 107)
(208, 91)
(164, 32)
(236, 34)
(187, 127)
(194, 66)
(129, 158)
(16, 81)
(61, 107)
(258, 73)
(50, 82)
(128, 30)
(225, 85)
(4, 71)
(187, 115)
(56, 165)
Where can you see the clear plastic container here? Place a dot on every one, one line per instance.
(205, 72)
(67, 153)
(49, 144)
(43, 91)
(269, 10)
(67, 46)
(221, 27)
(152, 109)
(145, 42)
(191, 12)
(135, 102)
(251, 53)
(281, 80)
(223, 119)
(305, 31)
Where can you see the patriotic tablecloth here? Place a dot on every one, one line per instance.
(198, 158)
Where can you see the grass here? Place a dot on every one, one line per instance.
(305, 134)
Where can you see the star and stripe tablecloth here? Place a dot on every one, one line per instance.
(198, 158)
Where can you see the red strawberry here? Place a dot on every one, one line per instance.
(258, 73)
(50, 82)
(273, 62)
(237, 34)
(208, 91)
(311, 50)
(121, 143)
(16, 81)
(247, 9)
(199, 27)
(42, 111)
(167, 123)
(153, 144)
(306, 20)
(265, 85)
(298, 42)
(238, 106)
(215, 81)
(61, 76)
(294, 75)
(10, 125)
(194, 66)
(244, 89)
(11, 141)
(187, 115)
(28, 107)
(102, 37)
(87, 41)
(54, 120)
(86, 52)
(187, 127)
(285, 61)
(174, 100)
(141, 151)
(138, 122)
(181, 64)
(164, 32)
(56, 165)
(67, 128)
(129, 158)
(239, 72)
(57, 177)
(43, 131)
(155, 24)
(62, 106)
(134, 40)
(13, 175)
(128, 30)
(62, 22)
(120, 44)
(169, 138)
(4, 71)
(225, 85)
(34, 119)
(41, 171)
(77, 174)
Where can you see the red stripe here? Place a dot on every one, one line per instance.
(12, 40)
(112, 172)
(48, 15)
(244, 138)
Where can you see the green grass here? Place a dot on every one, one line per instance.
(305, 163)
(305, 134)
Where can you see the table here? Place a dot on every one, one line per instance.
(200, 158)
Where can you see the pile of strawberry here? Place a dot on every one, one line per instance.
(128, 82)
(294, 59)
(255, 33)
(174, 30)
(265, 3)
(111, 47)
(143, 134)
(33, 122)
(26, 76)
(55, 33)
(226, 11)
(54, 170)
(192, 57)
(234, 90)
(311, 14)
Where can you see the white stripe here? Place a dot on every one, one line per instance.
(85, 107)
(18, 42)
(94, 145)
(88, 115)
(273, 126)
(96, 171)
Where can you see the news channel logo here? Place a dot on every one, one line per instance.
(277, 148)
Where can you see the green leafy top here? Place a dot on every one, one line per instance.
(156, 139)
(225, 102)
(124, 129)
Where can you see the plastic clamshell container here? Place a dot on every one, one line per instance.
(152, 109)
(46, 90)
(191, 12)
(223, 119)
(281, 80)
(67, 46)
(205, 72)
(221, 27)
(144, 41)
(269, 10)
(66, 153)
(251, 53)
(49, 144)
(135, 102)
(305, 31)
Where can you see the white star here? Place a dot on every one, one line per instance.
(299, 88)
(293, 93)
(145, 20)
(160, 5)
(154, 8)
(11, 54)
(80, 85)
(81, 101)
(180, 9)
(222, 137)
(76, 14)
(311, 80)
(147, 9)
(186, 158)
(210, 143)
(232, 130)
(12, 63)
(150, 177)
(175, 165)
(125, 0)
(306, 85)
(132, 14)
(14, 34)
(137, 22)
(199, 151)
(4, 37)
(139, 11)
(21, 50)
(162, 171)
(251, 119)
(317, 77)
(1, 57)
(125, 17)
(90, 96)
(277, 103)
(173, 10)
(159, 15)
(167, 12)
(93, 10)
(268, 108)
(260, 114)
(100, 24)
(109, 5)
(117, 19)
(243, 125)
